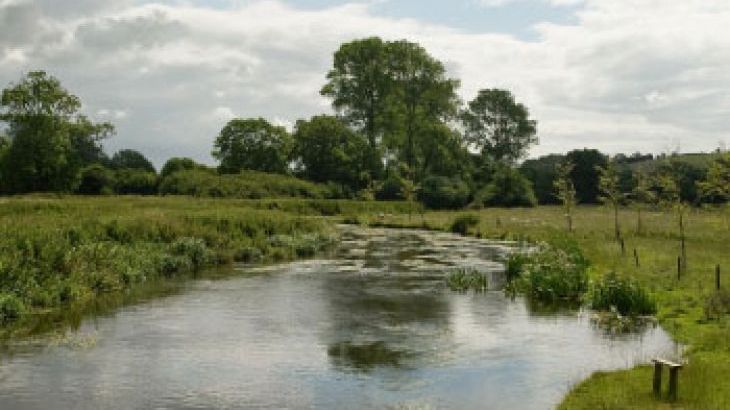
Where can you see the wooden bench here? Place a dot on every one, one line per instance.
(673, 377)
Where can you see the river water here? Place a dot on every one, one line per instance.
(370, 326)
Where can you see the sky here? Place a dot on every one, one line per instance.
(617, 75)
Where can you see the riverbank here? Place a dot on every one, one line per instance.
(689, 308)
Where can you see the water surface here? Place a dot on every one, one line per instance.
(371, 326)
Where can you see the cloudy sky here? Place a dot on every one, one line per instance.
(618, 75)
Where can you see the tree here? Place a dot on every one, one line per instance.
(585, 173)
(439, 192)
(499, 127)
(421, 96)
(330, 151)
(252, 144)
(131, 159)
(717, 184)
(670, 195)
(641, 195)
(541, 173)
(177, 164)
(47, 134)
(608, 185)
(565, 190)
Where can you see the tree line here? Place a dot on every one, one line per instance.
(399, 132)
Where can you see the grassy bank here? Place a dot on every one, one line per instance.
(62, 253)
(689, 308)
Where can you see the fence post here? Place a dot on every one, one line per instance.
(636, 258)
(679, 267)
(717, 276)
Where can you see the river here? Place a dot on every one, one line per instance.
(370, 326)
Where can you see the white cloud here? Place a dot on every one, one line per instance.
(627, 75)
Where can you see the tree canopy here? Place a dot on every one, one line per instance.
(252, 144)
(131, 159)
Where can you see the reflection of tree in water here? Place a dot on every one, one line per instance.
(385, 318)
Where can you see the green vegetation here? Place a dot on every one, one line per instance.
(464, 279)
(624, 295)
(55, 253)
(463, 223)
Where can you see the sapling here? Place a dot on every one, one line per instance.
(672, 198)
(565, 190)
(608, 184)
(642, 195)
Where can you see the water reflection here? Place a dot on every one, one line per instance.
(372, 327)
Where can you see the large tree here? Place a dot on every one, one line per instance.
(252, 144)
(717, 184)
(49, 136)
(585, 174)
(422, 96)
(498, 126)
(330, 151)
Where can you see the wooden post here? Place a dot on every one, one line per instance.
(717, 276)
(679, 267)
(657, 379)
(623, 247)
(636, 258)
(673, 381)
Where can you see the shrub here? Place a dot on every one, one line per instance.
(462, 223)
(96, 180)
(176, 164)
(507, 188)
(624, 295)
(553, 274)
(138, 182)
(463, 279)
(394, 188)
(438, 192)
(194, 249)
(11, 308)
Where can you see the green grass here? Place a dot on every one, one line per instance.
(463, 279)
(56, 253)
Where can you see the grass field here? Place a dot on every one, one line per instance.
(56, 253)
(689, 308)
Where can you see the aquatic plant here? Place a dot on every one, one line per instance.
(625, 296)
(463, 279)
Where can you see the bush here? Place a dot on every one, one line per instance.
(194, 249)
(11, 308)
(461, 224)
(394, 188)
(553, 274)
(246, 185)
(174, 165)
(137, 182)
(624, 295)
(507, 188)
(96, 180)
(443, 193)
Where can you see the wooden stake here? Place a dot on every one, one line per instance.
(717, 276)
(636, 258)
(679, 267)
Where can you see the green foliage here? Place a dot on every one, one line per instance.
(685, 174)
(177, 164)
(394, 188)
(96, 180)
(247, 184)
(57, 252)
(498, 127)
(553, 274)
(626, 296)
(252, 144)
(48, 135)
(131, 159)
(135, 181)
(329, 151)
(565, 190)
(463, 279)
(717, 185)
(437, 192)
(542, 174)
(463, 223)
(11, 308)
(585, 173)
(507, 188)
